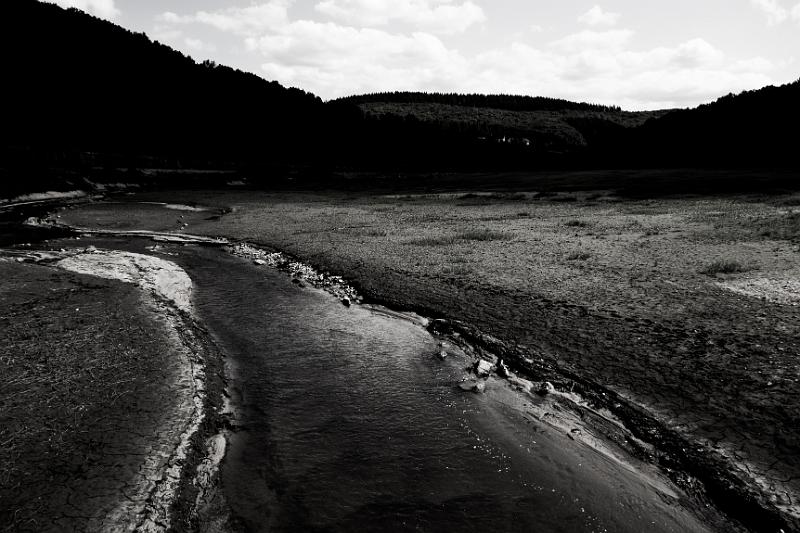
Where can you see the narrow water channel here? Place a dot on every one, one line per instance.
(349, 423)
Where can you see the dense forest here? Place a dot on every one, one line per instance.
(543, 131)
(508, 102)
(757, 128)
(83, 91)
(77, 82)
(753, 128)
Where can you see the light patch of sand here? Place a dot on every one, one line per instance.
(148, 505)
(783, 290)
(42, 196)
(101, 187)
(181, 207)
(153, 274)
(178, 207)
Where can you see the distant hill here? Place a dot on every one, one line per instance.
(548, 125)
(509, 102)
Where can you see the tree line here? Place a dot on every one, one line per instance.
(510, 102)
(80, 85)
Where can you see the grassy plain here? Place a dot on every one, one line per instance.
(687, 306)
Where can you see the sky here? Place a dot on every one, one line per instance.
(638, 54)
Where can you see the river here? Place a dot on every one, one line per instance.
(347, 421)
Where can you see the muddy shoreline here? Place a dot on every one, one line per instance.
(705, 476)
(161, 495)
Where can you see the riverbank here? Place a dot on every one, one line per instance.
(627, 299)
(350, 418)
(202, 503)
(109, 390)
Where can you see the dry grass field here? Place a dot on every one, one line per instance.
(687, 306)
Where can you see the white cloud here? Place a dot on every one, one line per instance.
(199, 46)
(774, 11)
(172, 18)
(437, 16)
(250, 20)
(588, 40)
(677, 76)
(100, 8)
(696, 53)
(167, 35)
(796, 13)
(597, 17)
(332, 59)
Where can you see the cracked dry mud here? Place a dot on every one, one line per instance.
(95, 394)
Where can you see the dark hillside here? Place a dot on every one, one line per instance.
(548, 130)
(75, 82)
(509, 102)
(546, 125)
(757, 127)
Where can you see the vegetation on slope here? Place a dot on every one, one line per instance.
(78, 82)
(549, 129)
(86, 93)
(509, 102)
(756, 127)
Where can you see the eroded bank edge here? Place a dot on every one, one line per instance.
(193, 464)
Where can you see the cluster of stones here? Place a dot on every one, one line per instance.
(301, 273)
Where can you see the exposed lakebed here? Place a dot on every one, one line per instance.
(346, 420)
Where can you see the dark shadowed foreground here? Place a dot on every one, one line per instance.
(93, 397)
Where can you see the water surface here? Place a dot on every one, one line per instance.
(349, 423)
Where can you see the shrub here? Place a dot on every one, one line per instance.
(724, 266)
(444, 240)
(456, 270)
(485, 234)
(578, 256)
(482, 234)
(477, 199)
(786, 227)
(577, 224)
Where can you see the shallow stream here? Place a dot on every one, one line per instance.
(349, 422)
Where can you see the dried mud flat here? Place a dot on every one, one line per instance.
(678, 315)
(104, 394)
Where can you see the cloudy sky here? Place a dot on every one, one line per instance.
(634, 53)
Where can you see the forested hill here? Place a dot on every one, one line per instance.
(73, 81)
(509, 102)
(756, 127)
(78, 88)
(545, 127)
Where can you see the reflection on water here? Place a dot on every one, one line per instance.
(350, 424)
